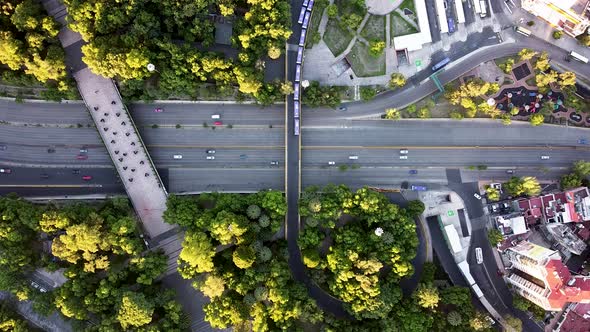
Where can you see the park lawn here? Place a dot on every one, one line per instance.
(336, 38)
(314, 24)
(346, 7)
(363, 64)
(399, 26)
(374, 29)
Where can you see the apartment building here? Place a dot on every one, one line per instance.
(538, 274)
(569, 16)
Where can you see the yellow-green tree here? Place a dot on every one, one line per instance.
(567, 78)
(397, 80)
(526, 54)
(134, 310)
(392, 114)
(542, 63)
(427, 296)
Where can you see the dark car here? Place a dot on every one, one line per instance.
(413, 172)
(76, 171)
(2, 147)
(45, 176)
(51, 150)
(274, 163)
(211, 151)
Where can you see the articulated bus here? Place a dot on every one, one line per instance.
(579, 57)
(523, 31)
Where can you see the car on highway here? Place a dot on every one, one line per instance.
(215, 116)
(544, 157)
(45, 176)
(210, 157)
(177, 156)
(84, 150)
(332, 163)
(211, 151)
(476, 195)
(403, 151)
(353, 157)
(158, 110)
(81, 157)
(403, 157)
(478, 255)
(86, 177)
(76, 171)
(5, 170)
(51, 150)
(274, 163)
(413, 172)
(342, 108)
(418, 188)
(2, 147)
(509, 171)
(218, 123)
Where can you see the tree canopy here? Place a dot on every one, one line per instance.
(351, 269)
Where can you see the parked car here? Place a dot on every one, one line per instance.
(81, 157)
(274, 163)
(5, 170)
(210, 157)
(86, 177)
(211, 151)
(158, 110)
(403, 157)
(331, 163)
(342, 108)
(476, 195)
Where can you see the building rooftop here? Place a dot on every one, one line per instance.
(576, 318)
(511, 226)
(566, 237)
(563, 207)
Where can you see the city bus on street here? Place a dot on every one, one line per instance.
(579, 57)
(441, 64)
(523, 31)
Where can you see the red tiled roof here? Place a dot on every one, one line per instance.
(575, 321)
(557, 278)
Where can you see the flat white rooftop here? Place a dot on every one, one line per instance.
(414, 42)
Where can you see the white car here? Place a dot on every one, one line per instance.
(544, 157)
(177, 156)
(476, 195)
(353, 157)
(5, 170)
(210, 157)
(403, 157)
(403, 151)
(331, 163)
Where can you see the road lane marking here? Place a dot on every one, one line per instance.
(446, 147)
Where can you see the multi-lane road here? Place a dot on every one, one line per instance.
(243, 154)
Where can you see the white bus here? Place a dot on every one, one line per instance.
(579, 57)
(459, 11)
(476, 7)
(523, 31)
(483, 7)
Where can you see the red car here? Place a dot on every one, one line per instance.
(158, 110)
(87, 178)
(81, 157)
(218, 123)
